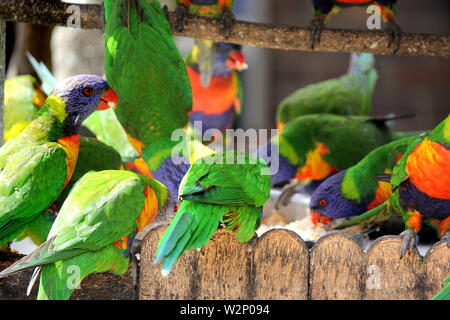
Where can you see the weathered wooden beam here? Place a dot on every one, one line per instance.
(246, 33)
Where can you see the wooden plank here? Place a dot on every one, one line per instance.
(281, 264)
(435, 268)
(399, 277)
(224, 269)
(182, 282)
(337, 268)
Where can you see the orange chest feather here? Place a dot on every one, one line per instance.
(428, 167)
(316, 168)
(218, 97)
(71, 145)
(382, 193)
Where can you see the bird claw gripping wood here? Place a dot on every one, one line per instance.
(227, 20)
(408, 241)
(394, 35)
(315, 31)
(181, 14)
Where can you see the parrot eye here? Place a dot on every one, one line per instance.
(87, 91)
(323, 203)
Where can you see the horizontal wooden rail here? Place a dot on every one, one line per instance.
(263, 35)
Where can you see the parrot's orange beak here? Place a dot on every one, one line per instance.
(236, 61)
(317, 218)
(108, 100)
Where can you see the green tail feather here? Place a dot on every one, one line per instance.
(444, 294)
(47, 78)
(42, 255)
(193, 226)
(59, 279)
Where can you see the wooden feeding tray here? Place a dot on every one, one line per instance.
(278, 265)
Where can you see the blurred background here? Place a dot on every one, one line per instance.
(417, 85)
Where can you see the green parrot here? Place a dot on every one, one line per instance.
(93, 156)
(313, 147)
(350, 94)
(104, 125)
(23, 98)
(420, 188)
(37, 164)
(94, 231)
(226, 187)
(146, 70)
(444, 294)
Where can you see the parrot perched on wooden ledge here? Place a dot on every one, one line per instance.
(323, 8)
(94, 231)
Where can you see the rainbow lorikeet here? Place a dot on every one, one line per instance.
(313, 147)
(323, 8)
(350, 94)
(444, 294)
(356, 190)
(145, 68)
(222, 9)
(92, 156)
(104, 125)
(23, 98)
(94, 230)
(37, 164)
(217, 105)
(420, 188)
(226, 187)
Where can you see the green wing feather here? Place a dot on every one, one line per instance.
(30, 181)
(444, 294)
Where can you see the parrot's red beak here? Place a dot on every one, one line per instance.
(236, 61)
(108, 100)
(317, 218)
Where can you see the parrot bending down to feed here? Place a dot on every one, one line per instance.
(23, 99)
(226, 187)
(37, 164)
(420, 188)
(222, 9)
(350, 94)
(313, 147)
(354, 191)
(145, 68)
(323, 9)
(217, 105)
(94, 231)
(92, 156)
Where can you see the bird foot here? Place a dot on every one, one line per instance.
(408, 241)
(181, 14)
(286, 195)
(226, 23)
(394, 35)
(446, 238)
(315, 30)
